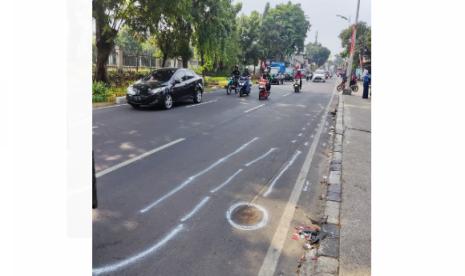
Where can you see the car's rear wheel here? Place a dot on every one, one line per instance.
(197, 96)
(168, 102)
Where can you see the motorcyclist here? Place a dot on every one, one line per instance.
(236, 73)
(246, 74)
(266, 77)
(299, 75)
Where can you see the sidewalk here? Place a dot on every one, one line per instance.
(346, 250)
(355, 213)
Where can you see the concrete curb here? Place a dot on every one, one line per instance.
(120, 100)
(327, 262)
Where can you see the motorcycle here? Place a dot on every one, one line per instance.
(244, 89)
(297, 85)
(232, 85)
(263, 93)
(341, 87)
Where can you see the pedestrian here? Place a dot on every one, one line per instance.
(366, 84)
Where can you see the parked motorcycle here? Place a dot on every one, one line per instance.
(232, 85)
(244, 86)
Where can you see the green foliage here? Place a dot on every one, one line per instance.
(317, 53)
(362, 42)
(249, 38)
(99, 88)
(129, 41)
(284, 29)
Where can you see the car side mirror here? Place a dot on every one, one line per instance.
(176, 81)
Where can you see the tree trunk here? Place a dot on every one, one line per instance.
(185, 62)
(105, 40)
(163, 60)
(202, 62)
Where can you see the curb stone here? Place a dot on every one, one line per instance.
(327, 263)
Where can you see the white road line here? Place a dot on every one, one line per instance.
(300, 134)
(274, 250)
(293, 141)
(135, 258)
(252, 109)
(306, 144)
(132, 160)
(287, 94)
(226, 182)
(303, 128)
(192, 178)
(261, 157)
(196, 208)
(116, 105)
(207, 102)
(270, 188)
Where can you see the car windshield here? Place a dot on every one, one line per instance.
(160, 75)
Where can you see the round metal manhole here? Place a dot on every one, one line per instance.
(247, 216)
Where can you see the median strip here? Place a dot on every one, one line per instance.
(132, 160)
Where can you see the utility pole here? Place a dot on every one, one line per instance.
(352, 49)
(316, 37)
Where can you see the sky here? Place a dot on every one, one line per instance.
(322, 17)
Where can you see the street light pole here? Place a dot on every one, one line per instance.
(352, 48)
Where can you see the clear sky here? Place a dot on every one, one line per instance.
(322, 17)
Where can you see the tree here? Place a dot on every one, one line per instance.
(362, 45)
(284, 29)
(317, 53)
(214, 24)
(130, 42)
(249, 38)
(111, 15)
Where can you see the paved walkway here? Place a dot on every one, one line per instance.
(355, 213)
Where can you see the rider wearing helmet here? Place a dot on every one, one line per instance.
(299, 75)
(236, 72)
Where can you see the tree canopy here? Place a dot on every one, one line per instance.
(317, 53)
(363, 41)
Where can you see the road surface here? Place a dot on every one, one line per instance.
(167, 178)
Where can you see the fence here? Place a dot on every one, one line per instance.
(144, 60)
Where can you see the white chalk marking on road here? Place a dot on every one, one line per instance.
(312, 136)
(192, 178)
(287, 94)
(139, 256)
(207, 102)
(307, 114)
(303, 128)
(243, 103)
(274, 250)
(270, 188)
(139, 157)
(260, 224)
(306, 144)
(116, 105)
(307, 184)
(226, 182)
(261, 157)
(196, 208)
(293, 141)
(253, 108)
(300, 134)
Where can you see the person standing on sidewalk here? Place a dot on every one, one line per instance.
(366, 84)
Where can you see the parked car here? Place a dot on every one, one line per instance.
(319, 75)
(164, 86)
(276, 76)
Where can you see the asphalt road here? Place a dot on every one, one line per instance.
(166, 180)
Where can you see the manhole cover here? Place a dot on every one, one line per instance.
(247, 216)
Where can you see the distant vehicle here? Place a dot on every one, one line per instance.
(165, 86)
(276, 76)
(289, 74)
(319, 76)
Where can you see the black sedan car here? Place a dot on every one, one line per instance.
(164, 86)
